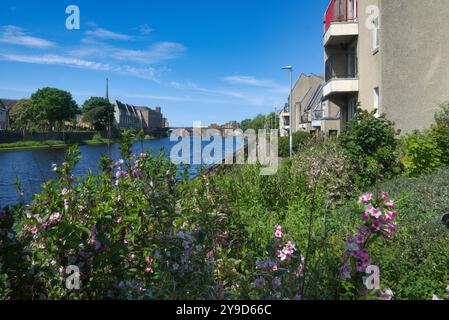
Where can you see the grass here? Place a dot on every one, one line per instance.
(48, 144)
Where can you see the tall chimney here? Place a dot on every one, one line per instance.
(107, 89)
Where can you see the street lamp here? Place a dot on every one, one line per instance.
(290, 69)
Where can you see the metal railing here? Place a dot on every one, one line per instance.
(340, 11)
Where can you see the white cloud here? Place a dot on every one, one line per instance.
(16, 36)
(53, 59)
(101, 33)
(155, 54)
(249, 80)
(144, 29)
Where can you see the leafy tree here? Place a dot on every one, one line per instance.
(99, 112)
(52, 106)
(19, 115)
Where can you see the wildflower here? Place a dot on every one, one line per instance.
(278, 232)
(277, 282)
(65, 191)
(435, 297)
(149, 270)
(387, 294)
(125, 241)
(149, 260)
(259, 282)
(54, 167)
(447, 289)
(119, 163)
(345, 272)
(55, 216)
(299, 269)
(390, 204)
(34, 230)
(119, 220)
(175, 267)
(385, 196)
(366, 198)
(374, 212)
(377, 225)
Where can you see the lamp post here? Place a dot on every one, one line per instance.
(290, 69)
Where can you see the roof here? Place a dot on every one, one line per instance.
(8, 103)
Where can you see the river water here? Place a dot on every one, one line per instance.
(33, 167)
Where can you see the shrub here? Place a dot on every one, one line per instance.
(370, 143)
(421, 153)
(298, 139)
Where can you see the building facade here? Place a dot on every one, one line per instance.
(152, 119)
(128, 116)
(3, 118)
(5, 107)
(309, 113)
(391, 57)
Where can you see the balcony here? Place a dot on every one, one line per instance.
(340, 78)
(317, 117)
(340, 22)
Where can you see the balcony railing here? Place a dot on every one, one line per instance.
(317, 115)
(340, 11)
(331, 73)
(305, 118)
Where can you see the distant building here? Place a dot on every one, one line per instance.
(166, 123)
(3, 118)
(128, 116)
(5, 107)
(214, 126)
(152, 119)
(230, 125)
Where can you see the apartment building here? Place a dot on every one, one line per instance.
(388, 56)
(309, 114)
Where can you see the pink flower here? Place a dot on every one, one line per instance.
(367, 197)
(377, 225)
(374, 212)
(390, 204)
(55, 217)
(149, 260)
(149, 270)
(119, 220)
(278, 233)
(125, 241)
(65, 192)
(386, 295)
(385, 196)
(34, 230)
(119, 163)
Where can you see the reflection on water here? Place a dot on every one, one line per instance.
(33, 167)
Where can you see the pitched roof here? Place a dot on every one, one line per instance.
(8, 103)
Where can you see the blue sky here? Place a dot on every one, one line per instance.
(206, 60)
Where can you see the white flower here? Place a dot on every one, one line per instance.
(435, 297)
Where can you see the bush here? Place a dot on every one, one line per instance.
(421, 153)
(298, 139)
(370, 143)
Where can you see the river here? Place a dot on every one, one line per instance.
(33, 167)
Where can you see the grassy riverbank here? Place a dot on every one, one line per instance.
(55, 144)
(48, 144)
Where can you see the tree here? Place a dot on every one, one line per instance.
(19, 115)
(52, 106)
(99, 112)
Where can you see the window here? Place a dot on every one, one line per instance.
(333, 133)
(376, 30)
(376, 102)
(352, 108)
